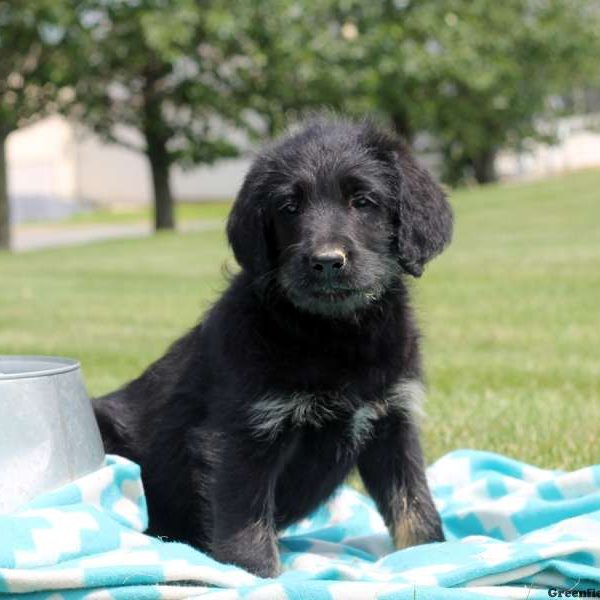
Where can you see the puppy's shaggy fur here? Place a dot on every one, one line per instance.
(307, 365)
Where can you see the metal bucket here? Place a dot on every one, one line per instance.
(48, 433)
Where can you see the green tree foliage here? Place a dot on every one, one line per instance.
(477, 74)
(498, 92)
(34, 51)
(294, 60)
(155, 67)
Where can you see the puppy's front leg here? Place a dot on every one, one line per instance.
(242, 505)
(393, 471)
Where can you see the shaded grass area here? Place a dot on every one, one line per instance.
(511, 315)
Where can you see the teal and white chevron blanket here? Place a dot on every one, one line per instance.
(514, 531)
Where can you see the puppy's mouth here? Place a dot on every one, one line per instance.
(331, 301)
(332, 298)
(336, 294)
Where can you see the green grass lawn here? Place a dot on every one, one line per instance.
(511, 315)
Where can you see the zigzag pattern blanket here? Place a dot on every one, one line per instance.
(514, 531)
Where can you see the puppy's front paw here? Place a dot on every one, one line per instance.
(417, 525)
(266, 569)
(254, 560)
(261, 567)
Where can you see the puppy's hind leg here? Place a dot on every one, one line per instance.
(107, 411)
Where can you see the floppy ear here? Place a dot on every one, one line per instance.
(247, 228)
(424, 215)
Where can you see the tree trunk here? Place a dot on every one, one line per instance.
(164, 210)
(4, 205)
(484, 167)
(156, 135)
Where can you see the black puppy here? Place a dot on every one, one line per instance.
(307, 365)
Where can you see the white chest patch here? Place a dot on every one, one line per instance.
(269, 415)
(272, 413)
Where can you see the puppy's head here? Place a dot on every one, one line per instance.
(334, 214)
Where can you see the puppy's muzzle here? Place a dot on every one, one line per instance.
(328, 262)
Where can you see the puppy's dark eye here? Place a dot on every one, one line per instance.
(291, 207)
(362, 202)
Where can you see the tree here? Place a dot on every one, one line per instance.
(294, 60)
(477, 74)
(385, 41)
(33, 58)
(153, 67)
(496, 92)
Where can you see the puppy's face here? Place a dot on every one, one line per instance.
(333, 216)
(333, 228)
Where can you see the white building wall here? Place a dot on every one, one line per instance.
(41, 160)
(577, 147)
(109, 174)
(220, 181)
(54, 161)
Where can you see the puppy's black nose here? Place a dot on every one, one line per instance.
(328, 261)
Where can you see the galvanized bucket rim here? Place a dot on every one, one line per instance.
(37, 366)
